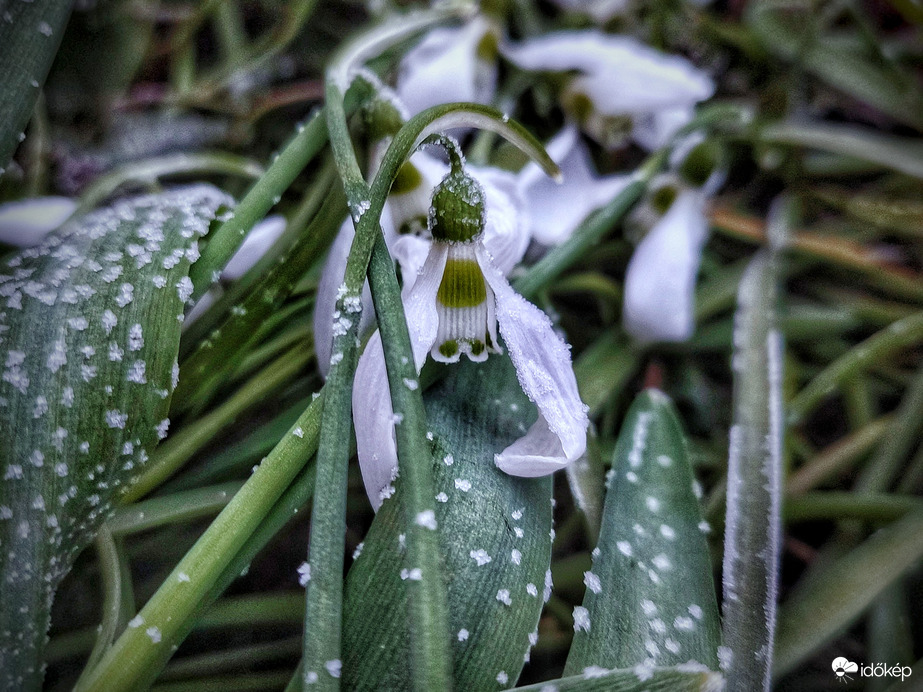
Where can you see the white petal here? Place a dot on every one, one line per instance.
(420, 305)
(557, 209)
(621, 75)
(655, 130)
(202, 305)
(506, 229)
(411, 252)
(25, 223)
(325, 304)
(600, 10)
(444, 67)
(373, 417)
(660, 281)
(543, 366)
(255, 245)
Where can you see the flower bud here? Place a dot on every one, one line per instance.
(457, 212)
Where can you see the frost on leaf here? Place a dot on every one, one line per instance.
(87, 344)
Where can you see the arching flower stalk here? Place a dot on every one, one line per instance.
(462, 305)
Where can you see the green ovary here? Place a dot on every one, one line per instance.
(462, 284)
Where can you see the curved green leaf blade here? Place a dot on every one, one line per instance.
(89, 332)
(30, 33)
(681, 678)
(486, 515)
(650, 598)
(753, 533)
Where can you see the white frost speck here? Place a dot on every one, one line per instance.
(334, 667)
(442, 497)
(502, 677)
(298, 432)
(652, 503)
(592, 582)
(531, 589)
(463, 485)
(182, 577)
(581, 619)
(516, 557)
(304, 573)
(136, 622)
(480, 556)
(462, 635)
(624, 548)
(153, 633)
(426, 519)
(667, 532)
(503, 595)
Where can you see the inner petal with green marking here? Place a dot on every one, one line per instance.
(409, 201)
(465, 307)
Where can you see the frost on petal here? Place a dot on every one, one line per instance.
(411, 192)
(557, 209)
(374, 422)
(543, 367)
(255, 245)
(25, 223)
(327, 294)
(445, 66)
(506, 229)
(420, 305)
(660, 280)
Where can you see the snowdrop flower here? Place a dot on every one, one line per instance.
(454, 308)
(25, 223)
(621, 85)
(659, 298)
(404, 224)
(449, 65)
(557, 209)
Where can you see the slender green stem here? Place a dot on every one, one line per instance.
(240, 657)
(180, 448)
(150, 170)
(837, 458)
(224, 240)
(903, 434)
(164, 620)
(874, 507)
(901, 334)
(110, 569)
(171, 509)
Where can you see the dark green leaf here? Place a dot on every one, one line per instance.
(494, 606)
(29, 35)
(650, 597)
(89, 327)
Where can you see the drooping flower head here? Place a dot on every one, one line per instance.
(461, 304)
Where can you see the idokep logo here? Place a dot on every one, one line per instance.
(844, 669)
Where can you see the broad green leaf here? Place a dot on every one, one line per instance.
(681, 678)
(603, 369)
(752, 541)
(30, 33)
(89, 332)
(650, 598)
(495, 534)
(825, 605)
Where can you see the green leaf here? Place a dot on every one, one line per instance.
(89, 332)
(650, 598)
(752, 543)
(474, 413)
(682, 678)
(30, 33)
(822, 607)
(901, 154)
